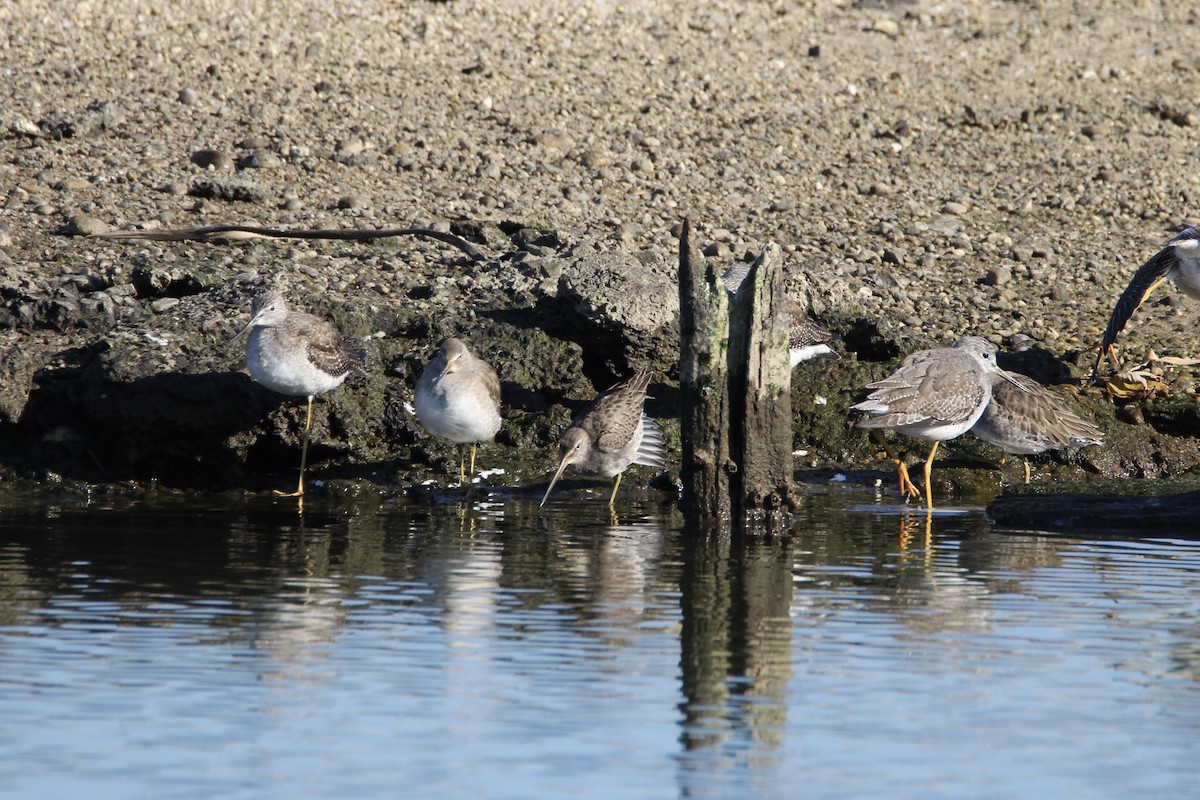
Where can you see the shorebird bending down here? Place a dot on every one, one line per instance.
(1024, 418)
(611, 434)
(458, 399)
(934, 394)
(1179, 261)
(296, 354)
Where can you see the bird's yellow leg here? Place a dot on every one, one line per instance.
(303, 454)
(928, 470)
(906, 485)
(612, 498)
(1026, 471)
(473, 448)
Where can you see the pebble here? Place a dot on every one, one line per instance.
(555, 140)
(212, 159)
(73, 185)
(163, 304)
(187, 97)
(886, 26)
(84, 225)
(237, 189)
(955, 208)
(263, 159)
(997, 276)
(352, 200)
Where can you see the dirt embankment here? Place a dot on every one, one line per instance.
(996, 168)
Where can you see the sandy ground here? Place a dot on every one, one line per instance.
(997, 168)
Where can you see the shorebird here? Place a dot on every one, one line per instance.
(806, 339)
(458, 399)
(934, 394)
(1024, 418)
(296, 354)
(1179, 261)
(611, 434)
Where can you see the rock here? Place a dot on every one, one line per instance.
(232, 189)
(625, 305)
(98, 117)
(997, 276)
(84, 225)
(213, 159)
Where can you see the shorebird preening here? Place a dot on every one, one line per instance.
(806, 339)
(1178, 261)
(458, 399)
(297, 354)
(611, 434)
(1024, 418)
(935, 395)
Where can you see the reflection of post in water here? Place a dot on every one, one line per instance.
(736, 650)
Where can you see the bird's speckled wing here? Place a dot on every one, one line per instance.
(327, 350)
(1148, 276)
(1032, 418)
(930, 386)
(803, 332)
(490, 381)
(613, 418)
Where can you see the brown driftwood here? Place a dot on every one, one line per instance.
(735, 384)
(210, 233)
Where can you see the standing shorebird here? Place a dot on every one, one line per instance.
(1024, 418)
(296, 354)
(806, 339)
(1179, 261)
(611, 434)
(458, 399)
(934, 394)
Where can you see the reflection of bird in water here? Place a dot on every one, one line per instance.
(611, 434)
(806, 339)
(458, 399)
(1024, 418)
(934, 394)
(1178, 261)
(296, 354)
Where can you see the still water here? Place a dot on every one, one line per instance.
(491, 649)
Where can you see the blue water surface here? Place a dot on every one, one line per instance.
(487, 648)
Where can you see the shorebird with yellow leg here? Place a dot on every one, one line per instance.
(458, 399)
(612, 434)
(1178, 261)
(297, 354)
(1024, 418)
(934, 394)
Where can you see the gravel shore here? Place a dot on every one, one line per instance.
(931, 169)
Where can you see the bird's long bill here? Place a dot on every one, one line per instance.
(242, 332)
(1008, 377)
(557, 474)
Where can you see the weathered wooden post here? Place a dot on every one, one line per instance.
(735, 384)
